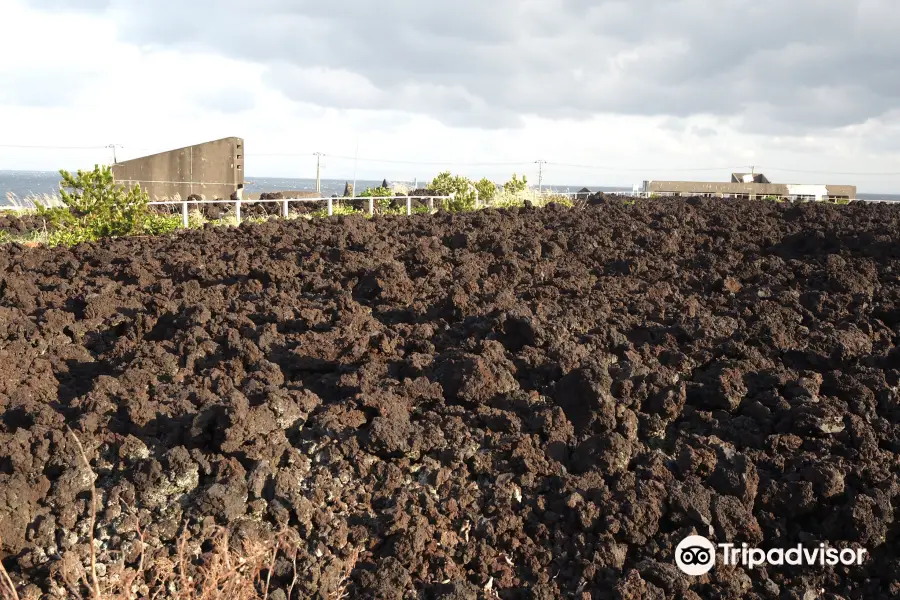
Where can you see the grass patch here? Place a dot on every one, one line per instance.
(336, 210)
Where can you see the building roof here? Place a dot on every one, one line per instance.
(740, 188)
(753, 178)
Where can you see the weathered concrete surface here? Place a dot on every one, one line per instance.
(212, 170)
(749, 190)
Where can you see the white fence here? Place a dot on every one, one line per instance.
(285, 204)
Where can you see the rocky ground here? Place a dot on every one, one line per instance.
(15, 224)
(537, 403)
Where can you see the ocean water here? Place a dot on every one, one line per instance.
(27, 183)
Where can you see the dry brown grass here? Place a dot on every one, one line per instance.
(223, 572)
(191, 574)
(31, 201)
(341, 591)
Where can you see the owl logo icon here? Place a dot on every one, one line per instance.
(695, 555)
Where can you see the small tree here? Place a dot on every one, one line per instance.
(486, 190)
(463, 190)
(384, 194)
(100, 207)
(515, 185)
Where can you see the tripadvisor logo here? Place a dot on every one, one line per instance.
(695, 555)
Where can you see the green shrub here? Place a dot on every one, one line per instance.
(385, 208)
(161, 224)
(487, 191)
(4, 236)
(516, 185)
(336, 210)
(69, 236)
(384, 194)
(56, 217)
(462, 188)
(507, 199)
(379, 192)
(100, 207)
(559, 199)
(196, 219)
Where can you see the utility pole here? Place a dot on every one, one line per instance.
(114, 146)
(318, 156)
(540, 164)
(355, 164)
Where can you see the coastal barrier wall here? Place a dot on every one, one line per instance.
(212, 170)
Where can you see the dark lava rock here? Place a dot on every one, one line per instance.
(543, 400)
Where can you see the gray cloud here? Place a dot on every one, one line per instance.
(798, 66)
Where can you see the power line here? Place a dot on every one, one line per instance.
(861, 173)
(55, 147)
(402, 162)
(607, 168)
(426, 162)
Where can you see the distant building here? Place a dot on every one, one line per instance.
(747, 185)
(213, 170)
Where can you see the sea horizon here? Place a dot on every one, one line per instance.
(25, 183)
(37, 183)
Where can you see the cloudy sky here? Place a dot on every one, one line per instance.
(606, 92)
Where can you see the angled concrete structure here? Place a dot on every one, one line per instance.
(212, 170)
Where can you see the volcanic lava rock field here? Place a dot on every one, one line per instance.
(18, 224)
(534, 403)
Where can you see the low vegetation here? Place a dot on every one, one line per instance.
(91, 206)
(462, 190)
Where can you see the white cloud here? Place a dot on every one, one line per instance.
(625, 88)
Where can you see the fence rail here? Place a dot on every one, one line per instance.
(285, 204)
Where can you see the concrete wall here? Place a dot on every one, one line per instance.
(841, 191)
(213, 170)
(717, 188)
(817, 192)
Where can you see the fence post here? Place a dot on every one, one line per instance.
(184, 214)
(408, 205)
(476, 198)
(237, 211)
(431, 204)
(371, 205)
(284, 209)
(330, 207)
